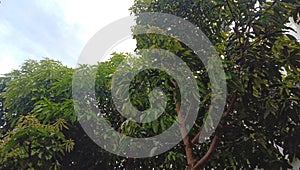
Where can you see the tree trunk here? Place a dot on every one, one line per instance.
(191, 161)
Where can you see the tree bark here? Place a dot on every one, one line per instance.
(201, 163)
(191, 161)
(186, 140)
(193, 164)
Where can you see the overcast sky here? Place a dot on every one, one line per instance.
(57, 29)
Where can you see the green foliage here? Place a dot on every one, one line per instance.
(39, 88)
(3, 111)
(39, 128)
(42, 91)
(32, 145)
(262, 67)
(35, 105)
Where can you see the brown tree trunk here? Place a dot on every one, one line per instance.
(186, 139)
(191, 161)
(194, 164)
(201, 163)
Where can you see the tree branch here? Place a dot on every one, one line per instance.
(186, 139)
(200, 164)
(225, 114)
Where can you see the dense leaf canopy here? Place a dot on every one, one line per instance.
(262, 67)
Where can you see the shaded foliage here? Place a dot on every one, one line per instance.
(262, 65)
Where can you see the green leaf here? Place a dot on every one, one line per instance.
(155, 125)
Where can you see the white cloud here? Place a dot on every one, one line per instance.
(93, 15)
(7, 64)
(57, 29)
(5, 28)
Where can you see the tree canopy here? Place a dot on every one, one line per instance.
(262, 66)
(39, 127)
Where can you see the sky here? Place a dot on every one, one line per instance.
(56, 29)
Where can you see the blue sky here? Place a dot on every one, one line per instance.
(57, 29)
